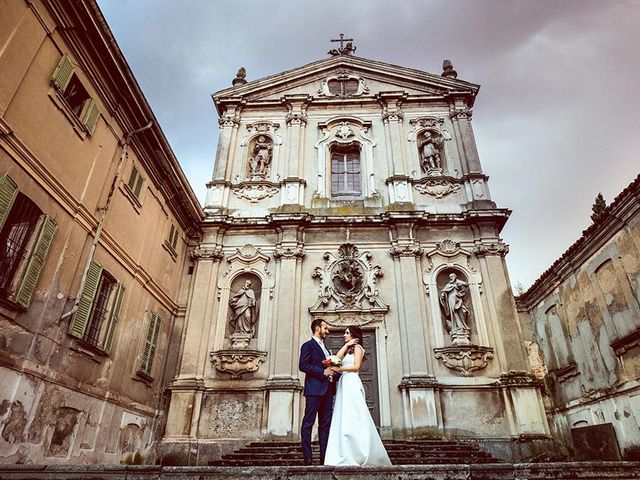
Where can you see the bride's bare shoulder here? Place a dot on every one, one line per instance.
(360, 347)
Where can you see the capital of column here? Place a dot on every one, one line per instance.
(485, 249)
(412, 249)
(204, 253)
(290, 251)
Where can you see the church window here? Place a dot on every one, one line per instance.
(345, 171)
(75, 95)
(25, 237)
(343, 87)
(98, 309)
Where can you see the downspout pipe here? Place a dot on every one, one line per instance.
(104, 211)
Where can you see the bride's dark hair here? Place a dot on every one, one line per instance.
(355, 332)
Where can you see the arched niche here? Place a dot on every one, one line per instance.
(247, 152)
(243, 308)
(428, 135)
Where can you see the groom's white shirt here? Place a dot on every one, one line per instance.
(321, 343)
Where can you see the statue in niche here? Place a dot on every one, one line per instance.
(243, 304)
(455, 312)
(430, 152)
(260, 159)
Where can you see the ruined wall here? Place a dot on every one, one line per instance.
(586, 326)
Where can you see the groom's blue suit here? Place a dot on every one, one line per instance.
(318, 392)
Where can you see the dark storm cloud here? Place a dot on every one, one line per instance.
(555, 120)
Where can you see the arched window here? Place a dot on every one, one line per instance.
(346, 180)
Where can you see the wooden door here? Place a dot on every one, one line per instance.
(368, 370)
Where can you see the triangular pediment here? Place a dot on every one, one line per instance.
(377, 77)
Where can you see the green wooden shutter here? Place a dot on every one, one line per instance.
(63, 73)
(8, 193)
(80, 319)
(113, 317)
(91, 115)
(138, 187)
(36, 262)
(150, 344)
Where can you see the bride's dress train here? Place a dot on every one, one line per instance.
(353, 438)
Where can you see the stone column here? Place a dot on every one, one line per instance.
(418, 386)
(283, 387)
(187, 387)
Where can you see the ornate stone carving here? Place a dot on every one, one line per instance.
(289, 252)
(245, 259)
(344, 131)
(296, 119)
(464, 358)
(438, 188)
(263, 127)
(348, 281)
(448, 247)
(342, 77)
(483, 250)
(201, 253)
(349, 49)
(240, 77)
(457, 113)
(254, 192)
(237, 362)
(410, 250)
(447, 69)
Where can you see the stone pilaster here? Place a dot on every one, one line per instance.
(229, 123)
(186, 388)
(283, 387)
(392, 117)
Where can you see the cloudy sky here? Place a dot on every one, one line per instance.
(556, 120)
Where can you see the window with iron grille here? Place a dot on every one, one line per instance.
(345, 172)
(98, 308)
(25, 237)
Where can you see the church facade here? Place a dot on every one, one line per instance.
(351, 190)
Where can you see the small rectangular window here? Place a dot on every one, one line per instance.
(135, 182)
(151, 343)
(173, 237)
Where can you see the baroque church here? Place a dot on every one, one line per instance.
(350, 190)
(137, 326)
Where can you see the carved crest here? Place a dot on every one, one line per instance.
(348, 281)
(255, 192)
(437, 187)
(344, 131)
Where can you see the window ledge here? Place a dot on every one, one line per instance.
(170, 249)
(623, 344)
(562, 374)
(73, 119)
(143, 377)
(135, 202)
(88, 350)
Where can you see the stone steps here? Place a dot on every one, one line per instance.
(502, 471)
(401, 452)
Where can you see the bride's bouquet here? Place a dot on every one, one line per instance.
(332, 361)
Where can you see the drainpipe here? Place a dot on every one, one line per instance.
(104, 210)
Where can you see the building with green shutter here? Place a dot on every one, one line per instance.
(96, 219)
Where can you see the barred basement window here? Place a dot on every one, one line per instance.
(345, 172)
(98, 309)
(150, 345)
(75, 94)
(25, 237)
(135, 182)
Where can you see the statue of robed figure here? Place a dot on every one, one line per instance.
(243, 304)
(455, 312)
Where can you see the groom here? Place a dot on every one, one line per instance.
(318, 390)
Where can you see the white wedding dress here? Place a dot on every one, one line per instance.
(353, 438)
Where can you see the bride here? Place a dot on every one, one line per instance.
(353, 438)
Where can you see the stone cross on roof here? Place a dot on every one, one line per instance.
(343, 50)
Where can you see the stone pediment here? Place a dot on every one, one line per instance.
(377, 77)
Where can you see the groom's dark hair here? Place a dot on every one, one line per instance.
(316, 324)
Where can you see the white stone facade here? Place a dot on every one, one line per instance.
(415, 214)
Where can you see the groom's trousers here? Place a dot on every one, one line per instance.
(321, 406)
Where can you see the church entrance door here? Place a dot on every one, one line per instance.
(368, 370)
